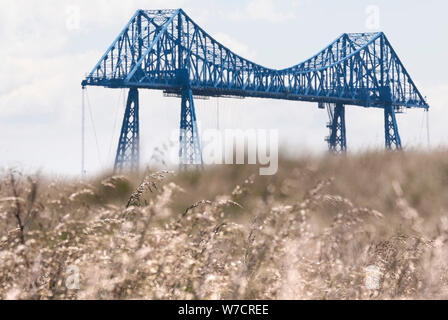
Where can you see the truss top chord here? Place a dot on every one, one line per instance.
(167, 50)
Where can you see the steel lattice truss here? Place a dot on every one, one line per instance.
(163, 49)
(166, 50)
(128, 152)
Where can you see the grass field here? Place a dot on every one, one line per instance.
(313, 231)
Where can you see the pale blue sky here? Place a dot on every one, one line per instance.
(46, 52)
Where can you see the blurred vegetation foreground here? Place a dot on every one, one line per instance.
(312, 231)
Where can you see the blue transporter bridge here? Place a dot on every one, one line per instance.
(167, 50)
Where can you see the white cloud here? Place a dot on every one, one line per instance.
(263, 10)
(234, 45)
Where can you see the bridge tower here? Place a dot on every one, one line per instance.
(128, 151)
(189, 144)
(190, 154)
(393, 141)
(391, 134)
(337, 142)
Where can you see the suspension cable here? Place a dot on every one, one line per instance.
(217, 113)
(117, 108)
(427, 128)
(94, 129)
(83, 170)
(421, 131)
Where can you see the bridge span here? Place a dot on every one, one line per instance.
(166, 50)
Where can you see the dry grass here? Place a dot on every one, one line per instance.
(226, 233)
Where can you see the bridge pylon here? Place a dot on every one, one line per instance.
(337, 142)
(128, 151)
(392, 136)
(190, 154)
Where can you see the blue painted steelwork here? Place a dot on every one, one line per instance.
(189, 142)
(166, 50)
(128, 151)
(393, 141)
(337, 142)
